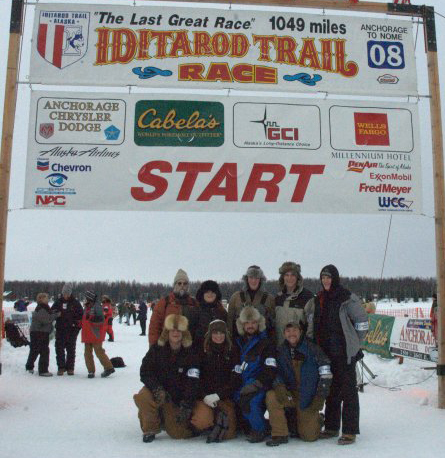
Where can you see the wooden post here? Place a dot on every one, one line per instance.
(439, 189)
(7, 133)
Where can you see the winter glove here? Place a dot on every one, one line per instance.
(282, 394)
(251, 388)
(324, 385)
(185, 412)
(159, 395)
(211, 400)
(219, 430)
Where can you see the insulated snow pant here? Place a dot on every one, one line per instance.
(143, 325)
(308, 420)
(150, 414)
(110, 330)
(101, 355)
(204, 417)
(253, 410)
(66, 347)
(342, 402)
(39, 347)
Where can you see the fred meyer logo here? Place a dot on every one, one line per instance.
(178, 123)
(371, 129)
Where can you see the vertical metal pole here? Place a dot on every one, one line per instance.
(7, 134)
(439, 189)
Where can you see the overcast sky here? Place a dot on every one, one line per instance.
(151, 246)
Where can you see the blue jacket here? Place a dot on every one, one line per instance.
(258, 360)
(315, 364)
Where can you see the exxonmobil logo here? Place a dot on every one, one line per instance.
(50, 200)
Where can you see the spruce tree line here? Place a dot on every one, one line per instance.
(400, 288)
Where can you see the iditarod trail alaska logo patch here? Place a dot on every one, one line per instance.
(62, 38)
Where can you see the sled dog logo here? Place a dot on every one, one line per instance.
(46, 130)
(62, 37)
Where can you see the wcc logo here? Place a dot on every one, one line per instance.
(62, 37)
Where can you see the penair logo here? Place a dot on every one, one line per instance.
(358, 167)
(371, 129)
(178, 123)
(62, 37)
(49, 201)
(274, 131)
(46, 129)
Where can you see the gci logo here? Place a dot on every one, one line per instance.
(50, 200)
(394, 202)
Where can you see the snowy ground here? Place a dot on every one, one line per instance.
(64, 417)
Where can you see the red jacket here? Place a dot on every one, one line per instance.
(167, 306)
(94, 326)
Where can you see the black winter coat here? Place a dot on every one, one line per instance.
(200, 318)
(218, 373)
(71, 313)
(176, 372)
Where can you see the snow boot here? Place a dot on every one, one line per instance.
(256, 436)
(148, 437)
(328, 434)
(90, 374)
(70, 372)
(107, 372)
(346, 439)
(46, 374)
(30, 371)
(277, 440)
(60, 371)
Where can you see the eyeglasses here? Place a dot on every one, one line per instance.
(182, 283)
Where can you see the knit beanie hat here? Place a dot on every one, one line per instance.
(208, 285)
(331, 271)
(292, 267)
(67, 289)
(181, 275)
(90, 296)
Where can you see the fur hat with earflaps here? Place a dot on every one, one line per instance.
(292, 267)
(180, 323)
(217, 326)
(250, 313)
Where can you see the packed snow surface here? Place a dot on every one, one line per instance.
(73, 416)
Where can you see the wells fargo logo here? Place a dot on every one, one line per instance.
(371, 129)
(124, 45)
(179, 123)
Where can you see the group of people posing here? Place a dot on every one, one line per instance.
(217, 371)
(70, 318)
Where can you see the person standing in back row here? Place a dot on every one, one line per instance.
(338, 323)
(142, 316)
(290, 301)
(252, 294)
(67, 329)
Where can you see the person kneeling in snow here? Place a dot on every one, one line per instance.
(170, 374)
(302, 385)
(94, 328)
(219, 380)
(258, 367)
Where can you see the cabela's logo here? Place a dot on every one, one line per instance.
(62, 38)
(178, 123)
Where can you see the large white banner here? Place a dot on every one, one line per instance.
(202, 48)
(192, 152)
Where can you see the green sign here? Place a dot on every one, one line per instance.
(178, 123)
(379, 335)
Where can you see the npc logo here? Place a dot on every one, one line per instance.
(62, 37)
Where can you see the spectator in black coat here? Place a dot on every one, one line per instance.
(67, 329)
(142, 316)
